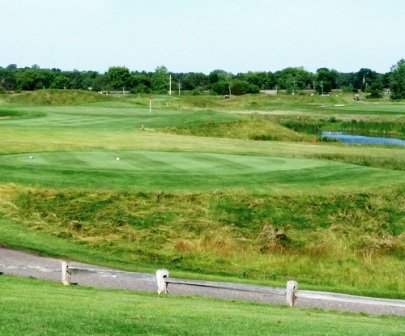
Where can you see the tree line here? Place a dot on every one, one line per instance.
(292, 80)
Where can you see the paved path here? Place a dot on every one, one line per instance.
(19, 263)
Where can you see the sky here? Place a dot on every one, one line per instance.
(237, 36)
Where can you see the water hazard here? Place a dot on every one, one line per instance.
(361, 139)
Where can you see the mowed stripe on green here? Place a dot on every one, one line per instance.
(187, 171)
(156, 162)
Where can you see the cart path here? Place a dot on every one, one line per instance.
(26, 264)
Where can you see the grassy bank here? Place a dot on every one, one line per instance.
(349, 243)
(32, 307)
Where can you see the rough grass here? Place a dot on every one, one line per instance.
(56, 97)
(266, 238)
(248, 129)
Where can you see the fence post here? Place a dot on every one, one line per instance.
(65, 274)
(161, 274)
(292, 286)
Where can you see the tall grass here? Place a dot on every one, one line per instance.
(56, 97)
(266, 238)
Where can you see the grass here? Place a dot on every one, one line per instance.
(239, 235)
(182, 171)
(33, 307)
(197, 177)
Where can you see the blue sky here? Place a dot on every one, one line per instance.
(203, 35)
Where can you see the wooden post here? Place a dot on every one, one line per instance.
(160, 279)
(290, 297)
(66, 275)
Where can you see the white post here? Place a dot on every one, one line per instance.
(170, 85)
(290, 297)
(150, 104)
(65, 274)
(160, 279)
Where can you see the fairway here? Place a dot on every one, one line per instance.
(141, 170)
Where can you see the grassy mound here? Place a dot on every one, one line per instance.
(249, 129)
(56, 97)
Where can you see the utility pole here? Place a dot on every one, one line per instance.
(150, 104)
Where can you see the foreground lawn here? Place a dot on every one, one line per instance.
(33, 307)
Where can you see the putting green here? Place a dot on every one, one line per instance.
(159, 162)
(188, 171)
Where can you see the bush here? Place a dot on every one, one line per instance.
(220, 88)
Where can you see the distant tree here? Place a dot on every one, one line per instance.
(60, 82)
(160, 80)
(119, 78)
(195, 80)
(76, 79)
(220, 88)
(26, 79)
(7, 79)
(141, 82)
(293, 79)
(241, 87)
(397, 80)
(218, 76)
(364, 78)
(88, 78)
(326, 80)
(376, 90)
(100, 83)
(260, 79)
(9, 83)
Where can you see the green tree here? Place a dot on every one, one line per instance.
(326, 80)
(260, 79)
(160, 80)
(60, 82)
(7, 79)
(293, 79)
(119, 78)
(376, 90)
(364, 78)
(195, 80)
(218, 76)
(100, 83)
(397, 80)
(220, 88)
(26, 79)
(241, 87)
(141, 82)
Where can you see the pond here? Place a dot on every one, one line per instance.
(361, 139)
